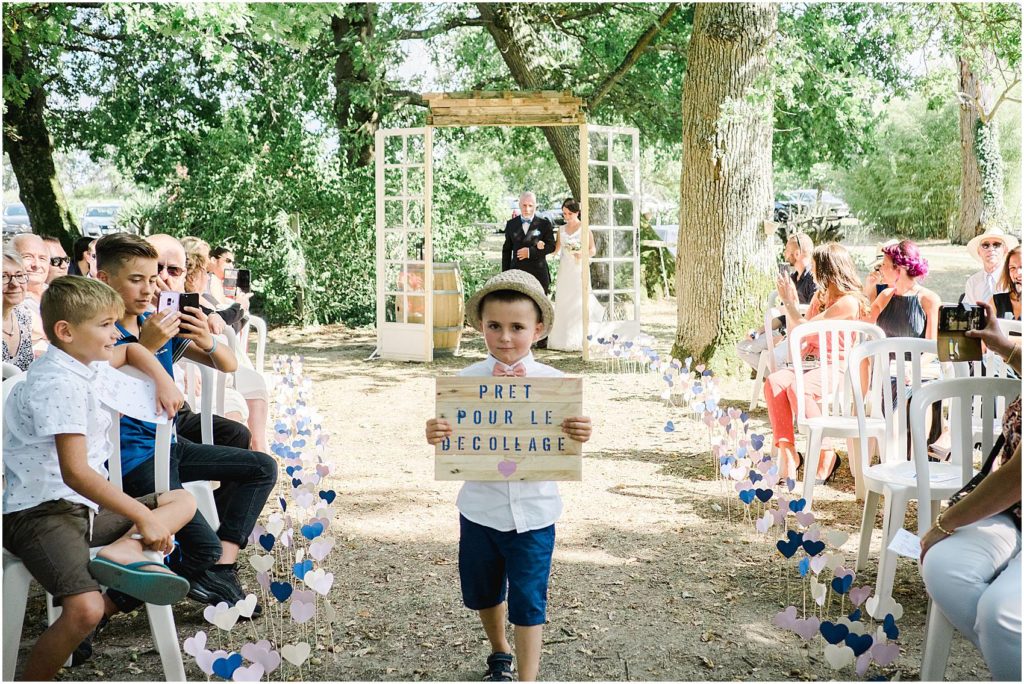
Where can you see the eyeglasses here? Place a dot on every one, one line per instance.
(991, 245)
(16, 277)
(173, 271)
(60, 261)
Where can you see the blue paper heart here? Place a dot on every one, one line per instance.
(790, 484)
(747, 496)
(889, 627)
(788, 548)
(328, 496)
(300, 569)
(225, 667)
(696, 389)
(670, 427)
(741, 452)
(726, 460)
(281, 590)
(804, 566)
(841, 585)
(797, 505)
(296, 482)
(707, 373)
(859, 642)
(833, 633)
(855, 615)
(299, 443)
(725, 469)
(756, 441)
(764, 494)
(312, 531)
(267, 541)
(755, 477)
(813, 548)
(744, 417)
(710, 404)
(284, 506)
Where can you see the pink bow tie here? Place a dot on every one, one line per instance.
(516, 371)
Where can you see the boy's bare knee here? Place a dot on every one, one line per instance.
(83, 612)
(177, 496)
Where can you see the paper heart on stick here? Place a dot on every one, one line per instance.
(286, 538)
(275, 525)
(303, 596)
(836, 538)
(253, 673)
(840, 571)
(319, 549)
(786, 618)
(246, 606)
(205, 660)
(818, 564)
(818, 591)
(296, 654)
(261, 563)
(222, 615)
(195, 644)
(263, 579)
(890, 628)
(805, 518)
(860, 643)
(863, 662)
(301, 612)
(885, 654)
(834, 633)
(806, 629)
(839, 657)
(834, 560)
(855, 626)
(225, 667)
(281, 590)
(262, 652)
(764, 524)
(319, 581)
(879, 607)
(858, 594)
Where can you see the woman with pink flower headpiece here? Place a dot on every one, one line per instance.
(905, 308)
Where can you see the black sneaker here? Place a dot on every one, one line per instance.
(228, 574)
(209, 588)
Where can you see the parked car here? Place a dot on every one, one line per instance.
(805, 201)
(16, 219)
(101, 219)
(553, 214)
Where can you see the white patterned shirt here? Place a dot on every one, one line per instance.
(507, 506)
(56, 398)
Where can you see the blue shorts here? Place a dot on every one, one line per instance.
(492, 562)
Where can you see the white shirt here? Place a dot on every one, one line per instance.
(981, 286)
(507, 506)
(55, 398)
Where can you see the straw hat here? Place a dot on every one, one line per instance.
(880, 256)
(518, 281)
(990, 232)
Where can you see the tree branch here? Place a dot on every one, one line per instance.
(82, 48)
(431, 31)
(407, 97)
(632, 56)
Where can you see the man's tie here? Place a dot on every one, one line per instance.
(516, 371)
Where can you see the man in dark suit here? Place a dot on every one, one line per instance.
(528, 241)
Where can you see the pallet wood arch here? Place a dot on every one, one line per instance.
(404, 189)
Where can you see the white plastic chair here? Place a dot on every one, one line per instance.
(210, 382)
(10, 370)
(888, 358)
(16, 578)
(766, 361)
(260, 326)
(964, 394)
(836, 341)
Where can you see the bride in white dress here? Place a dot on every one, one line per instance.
(567, 332)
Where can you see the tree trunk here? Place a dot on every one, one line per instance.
(27, 142)
(981, 171)
(356, 114)
(510, 36)
(726, 183)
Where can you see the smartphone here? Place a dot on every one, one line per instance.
(177, 301)
(785, 270)
(242, 280)
(231, 281)
(954, 321)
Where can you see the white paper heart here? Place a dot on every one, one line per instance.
(299, 555)
(834, 561)
(296, 654)
(195, 644)
(301, 612)
(836, 538)
(222, 615)
(275, 525)
(818, 564)
(839, 656)
(818, 591)
(253, 673)
(319, 581)
(878, 607)
(855, 626)
(319, 549)
(261, 563)
(246, 606)
(205, 660)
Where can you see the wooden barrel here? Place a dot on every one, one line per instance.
(449, 306)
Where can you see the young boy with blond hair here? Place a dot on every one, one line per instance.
(58, 501)
(507, 529)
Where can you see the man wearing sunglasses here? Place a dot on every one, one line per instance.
(59, 259)
(990, 249)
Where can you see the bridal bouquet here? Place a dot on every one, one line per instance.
(573, 247)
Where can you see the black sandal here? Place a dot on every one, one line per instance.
(499, 668)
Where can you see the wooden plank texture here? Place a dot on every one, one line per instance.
(508, 429)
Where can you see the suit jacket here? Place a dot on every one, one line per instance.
(536, 265)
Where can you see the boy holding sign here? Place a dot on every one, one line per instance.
(507, 529)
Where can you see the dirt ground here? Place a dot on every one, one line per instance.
(656, 576)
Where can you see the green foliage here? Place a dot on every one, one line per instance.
(909, 185)
(990, 166)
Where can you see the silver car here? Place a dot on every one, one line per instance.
(101, 219)
(16, 219)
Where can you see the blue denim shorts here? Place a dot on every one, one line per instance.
(493, 564)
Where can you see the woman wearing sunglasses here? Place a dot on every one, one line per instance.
(17, 321)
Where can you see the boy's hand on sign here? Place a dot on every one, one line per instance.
(578, 428)
(437, 430)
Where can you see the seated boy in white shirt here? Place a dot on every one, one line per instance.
(58, 501)
(507, 529)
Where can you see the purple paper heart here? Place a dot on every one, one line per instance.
(806, 629)
(263, 578)
(302, 612)
(844, 572)
(885, 654)
(785, 619)
(805, 518)
(863, 662)
(859, 594)
(303, 596)
(507, 468)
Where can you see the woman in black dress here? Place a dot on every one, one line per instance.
(1007, 303)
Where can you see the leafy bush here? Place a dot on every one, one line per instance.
(243, 192)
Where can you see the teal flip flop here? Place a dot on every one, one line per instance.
(158, 588)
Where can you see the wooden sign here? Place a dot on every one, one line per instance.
(508, 429)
